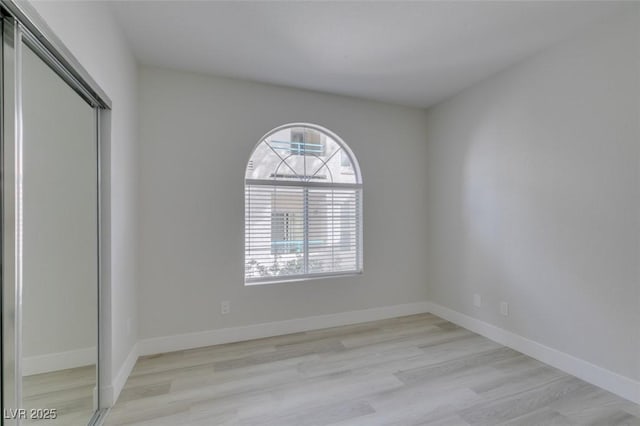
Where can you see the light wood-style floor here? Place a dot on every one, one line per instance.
(69, 392)
(415, 370)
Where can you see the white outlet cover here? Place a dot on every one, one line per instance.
(504, 308)
(477, 300)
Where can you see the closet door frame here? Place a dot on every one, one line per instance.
(21, 26)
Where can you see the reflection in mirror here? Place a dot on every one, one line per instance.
(59, 302)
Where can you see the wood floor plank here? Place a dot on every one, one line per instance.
(504, 409)
(445, 368)
(593, 401)
(356, 359)
(609, 417)
(505, 383)
(420, 403)
(543, 417)
(325, 390)
(315, 416)
(281, 353)
(144, 391)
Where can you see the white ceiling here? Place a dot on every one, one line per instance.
(412, 53)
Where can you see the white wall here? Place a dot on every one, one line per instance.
(197, 133)
(92, 35)
(534, 198)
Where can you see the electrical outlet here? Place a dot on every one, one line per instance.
(504, 308)
(225, 307)
(477, 300)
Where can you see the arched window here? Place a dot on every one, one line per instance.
(303, 206)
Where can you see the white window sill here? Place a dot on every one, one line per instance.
(281, 280)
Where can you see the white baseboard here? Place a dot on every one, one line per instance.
(613, 382)
(236, 334)
(59, 361)
(111, 393)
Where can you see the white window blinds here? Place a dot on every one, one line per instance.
(303, 207)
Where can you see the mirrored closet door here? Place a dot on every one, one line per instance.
(50, 233)
(59, 257)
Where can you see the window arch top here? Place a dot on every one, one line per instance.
(303, 153)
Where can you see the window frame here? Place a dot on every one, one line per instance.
(358, 194)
